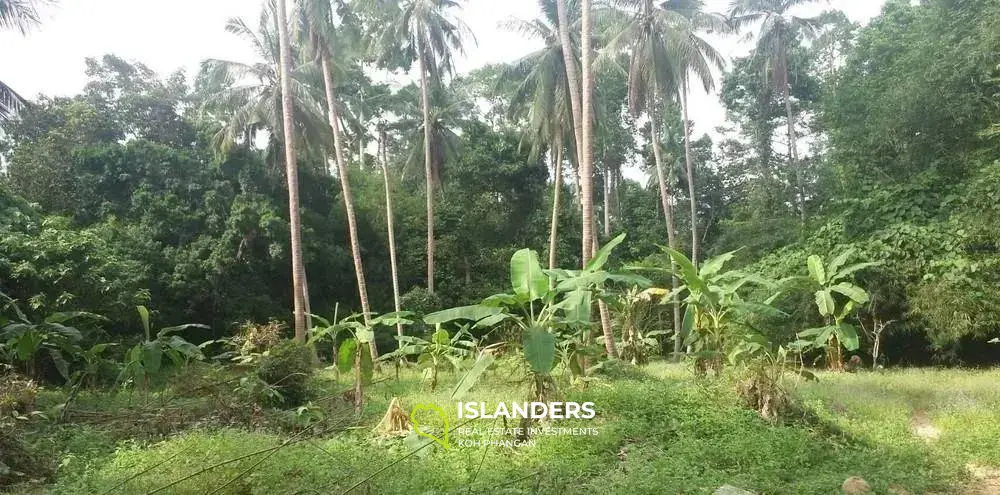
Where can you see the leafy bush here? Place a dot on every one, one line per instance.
(287, 368)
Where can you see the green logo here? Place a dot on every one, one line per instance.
(440, 413)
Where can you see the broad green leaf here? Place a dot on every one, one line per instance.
(473, 313)
(169, 330)
(441, 337)
(690, 274)
(824, 301)
(364, 335)
(712, 266)
(367, 367)
(838, 262)
(322, 321)
(576, 307)
(497, 300)
(69, 333)
(539, 349)
(688, 324)
(391, 319)
(144, 316)
(490, 321)
(601, 256)
(185, 348)
(152, 356)
(854, 268)
(812, 332)
(816, 269)
(61, 365)
(345, 355)
(526, 277)
(64, 316)
(848, 336)
(853, 292)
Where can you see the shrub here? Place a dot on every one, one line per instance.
(287, 368)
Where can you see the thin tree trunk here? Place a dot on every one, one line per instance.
(291, 172)
(429, 177)
(392, 234)
(587, 167)
(607, 198)
(572, 79)
(587, 148)
(556, 190)
(793, 154)
(690, 178)
(345, 186)
(669, 216)
(361, 133)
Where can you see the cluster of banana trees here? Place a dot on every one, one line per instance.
(716, 326)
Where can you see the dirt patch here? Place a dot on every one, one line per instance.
(987, 480)
(920, 424)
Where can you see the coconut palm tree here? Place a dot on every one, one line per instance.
(647, 34)
(291, 170)
(426, 32)
(245, 98)
(779, 30)
(446, 115)
(542, 96)
(317, 18)
(20, 16)
(696, 56)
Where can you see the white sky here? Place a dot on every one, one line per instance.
(170, 34)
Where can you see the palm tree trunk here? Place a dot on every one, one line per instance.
(573, 80)
(345, 186)
(793, 155)
(392, 234)
(428, 172)
(291, 172)
(556, 190)
(587, 167)
(668, 213)
(690, 177)
(587, 147)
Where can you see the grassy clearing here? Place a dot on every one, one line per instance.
(660, 432)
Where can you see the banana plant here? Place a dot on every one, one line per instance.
(350, 352)
(548, 306)
(24, 340)
(145, 359)
(831, 283)
(713, 305)
(440, 351)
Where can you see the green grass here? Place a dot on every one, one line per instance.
(661, 431)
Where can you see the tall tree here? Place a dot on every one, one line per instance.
(426, 32)
(245, 98)
(779, 31)
(586, 147)
(696, 56)
(383, 158)
(647, 34)
(541, 96)
(320, 26)
(291, 171)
